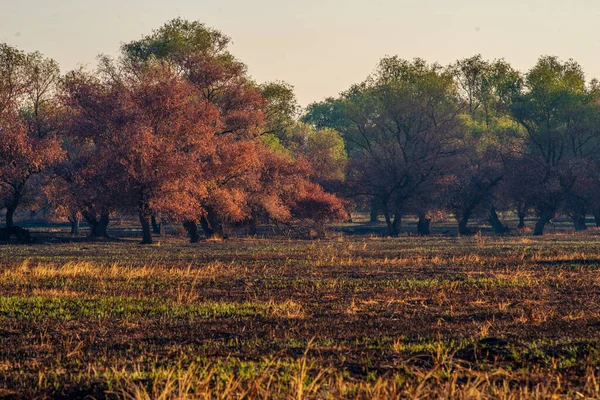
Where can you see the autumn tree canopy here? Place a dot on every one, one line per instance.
(30, 122)
(175, 130)
(183, 133)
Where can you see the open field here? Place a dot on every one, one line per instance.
(351, 317)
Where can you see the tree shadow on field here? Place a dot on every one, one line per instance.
(488, 349)
(569, 263)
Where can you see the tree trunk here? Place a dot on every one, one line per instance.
(393, 226)
(10, 215)
(102, 227)
(545, 216)
(74, 220)
(192, 229)
(156, 225)
(208, 232)
(98, 227)
(91, 220)
(498, 227)
(388, 222)
(539, 227)
(253, 227)
(463, 223)
(483, 193)
(216, 225)
(374, 213)
(396, 225)
(146, 230)
(11, 207)
(521, 214)
(579, 222)
(423, 225)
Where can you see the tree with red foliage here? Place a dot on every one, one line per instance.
(312, 204)
(177, 133)
(21, 157)
(199, 54)
(150, 132)
(29, 123)
(284, 194)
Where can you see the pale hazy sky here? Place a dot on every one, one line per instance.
(319, 46)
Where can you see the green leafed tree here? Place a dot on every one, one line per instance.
(401, 127)
(485, 90)
(559, 113)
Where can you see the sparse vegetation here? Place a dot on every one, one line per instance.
(351, 317)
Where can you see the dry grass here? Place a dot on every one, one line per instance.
(468, 318)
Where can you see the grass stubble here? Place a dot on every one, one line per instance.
(372, 318)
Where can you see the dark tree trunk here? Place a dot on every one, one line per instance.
(483, 193)
(10, 215)
(463, 228)
(393, 225)
(388, 222)
(208, 232)
(390, 227)
(539, 227)
(423, 225)
(74, 220)
(146, 229)
(192, 229)
(545, 216)
(13, 204)
(98, 227)
(579, 222)
(91, 220)
(521, 214)
(156, 225)
(253, 227)
(498, 227)
(463, 221)
(374, 213)
(396, 225)
(102, 227)
(216, 225)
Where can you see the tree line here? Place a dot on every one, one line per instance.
(174, 129)
(470, 139)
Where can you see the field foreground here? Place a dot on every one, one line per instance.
(355, 317)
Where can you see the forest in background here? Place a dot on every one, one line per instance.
(174, 129)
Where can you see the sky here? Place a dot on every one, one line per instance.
(321, 47)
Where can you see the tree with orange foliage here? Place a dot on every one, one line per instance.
(21, 157)
(176, 133)
(29, 123)
(200, 56)
(284, 194)
(149, 130)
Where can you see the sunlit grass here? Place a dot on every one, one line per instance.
(365, 317)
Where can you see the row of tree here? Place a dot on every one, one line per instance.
(470, 139)
(175, 129)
